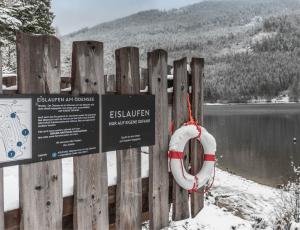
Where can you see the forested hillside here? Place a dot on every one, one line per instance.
(251, 47)
(268, 67)
(248, 51)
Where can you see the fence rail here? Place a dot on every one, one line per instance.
(132, 200)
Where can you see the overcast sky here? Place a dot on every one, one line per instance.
(72, 15)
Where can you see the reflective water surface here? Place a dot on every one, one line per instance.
(256, 141)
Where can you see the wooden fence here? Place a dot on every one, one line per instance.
(94, 204)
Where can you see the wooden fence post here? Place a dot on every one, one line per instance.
(158, 158)
(129, 182)
(1, 169)
(90, 171)
(197, 65)
(41, 200)
(180, 115)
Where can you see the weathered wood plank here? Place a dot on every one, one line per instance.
(158, 158)
(180, 115)
(9, 92)
(197, 65)
(38, 59)
(9, 81)
(90, 171)
(12, 218)
(110, 83)
(1, 169)
(129, 183)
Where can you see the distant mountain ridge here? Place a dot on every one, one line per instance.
(211, 11)
(180, 31)
(210, 29)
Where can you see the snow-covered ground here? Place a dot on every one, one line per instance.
(233, 203)
(237, 203)
(212, 218)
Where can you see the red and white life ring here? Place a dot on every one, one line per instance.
(176, 154)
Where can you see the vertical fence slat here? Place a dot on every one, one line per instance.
(41, 200)
(158, 158)
(129, 183)
(1, 169)
(180, 115)
(197, 65)
(90, 171)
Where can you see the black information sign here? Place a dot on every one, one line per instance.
(45, 127)
(128, 121)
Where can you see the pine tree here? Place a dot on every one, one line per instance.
(30, 16)
(8, 23)
(35, 16)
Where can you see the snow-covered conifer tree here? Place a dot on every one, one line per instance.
(29, 16)
(36, 16)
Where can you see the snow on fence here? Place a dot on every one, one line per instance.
(95, 205)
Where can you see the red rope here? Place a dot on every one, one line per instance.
(195, 186)
(191, 119)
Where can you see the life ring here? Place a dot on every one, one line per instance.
(176, 154)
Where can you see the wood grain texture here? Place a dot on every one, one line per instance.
(180, 116)
(90, 171)
(158, 158)
(12, 218)
(41, 200)
(197, 66)
(110, 83)
(1, 169)
(129, 183)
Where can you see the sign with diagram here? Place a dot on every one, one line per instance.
(46, 127)
(128, 121)
(15, 129)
